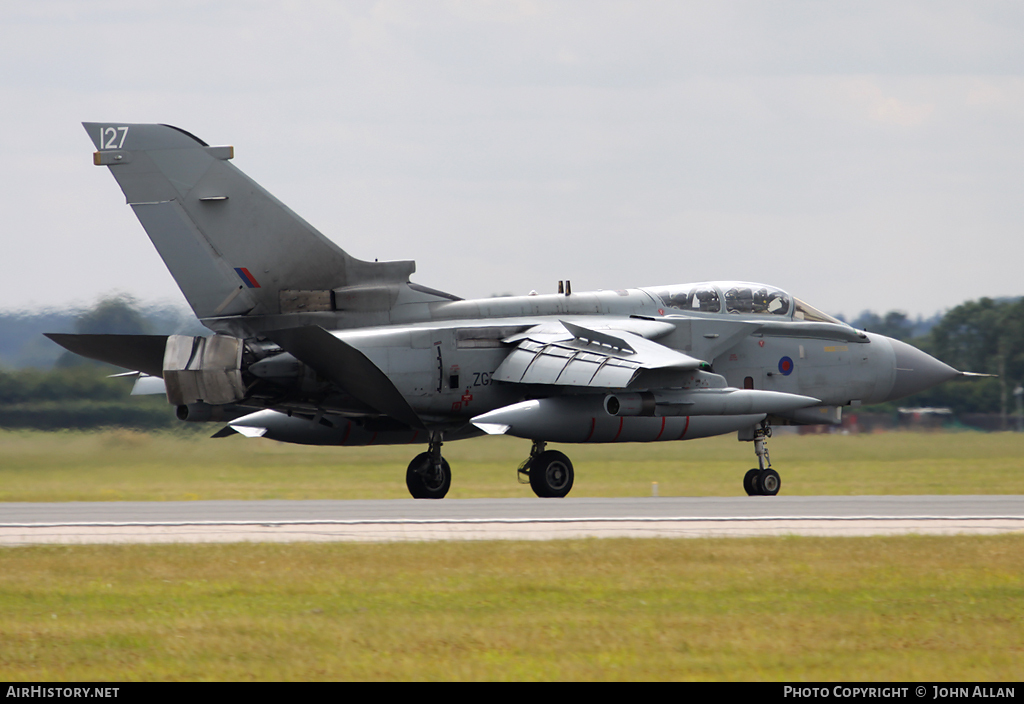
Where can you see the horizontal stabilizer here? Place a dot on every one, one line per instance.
(348, 368)
(143, 353)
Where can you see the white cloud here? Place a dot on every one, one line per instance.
(888, 109)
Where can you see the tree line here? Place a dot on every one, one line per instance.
(48, 388)
(984, 336)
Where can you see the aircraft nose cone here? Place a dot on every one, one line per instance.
(916, 371)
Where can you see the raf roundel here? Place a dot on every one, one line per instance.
(785, 366)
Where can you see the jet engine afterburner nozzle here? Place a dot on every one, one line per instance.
(203, 370)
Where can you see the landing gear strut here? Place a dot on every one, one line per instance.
(763, 481)
(549, 471)
(429, 476)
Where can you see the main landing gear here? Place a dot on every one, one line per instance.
(429, 476)
(548, 471)
(763, 481)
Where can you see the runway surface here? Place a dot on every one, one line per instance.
(517, 519)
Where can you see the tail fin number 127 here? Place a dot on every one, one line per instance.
(112, 137)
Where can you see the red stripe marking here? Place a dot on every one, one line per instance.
(662, 428)
(621, 419)
(373, 438)
(593, 424)
(685, 428)
(348, 429)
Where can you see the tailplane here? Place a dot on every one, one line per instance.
(232, 247)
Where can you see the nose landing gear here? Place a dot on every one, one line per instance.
(763, 481)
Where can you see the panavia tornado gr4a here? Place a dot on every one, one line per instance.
(313, 346)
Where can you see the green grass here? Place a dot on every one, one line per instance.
(123, 465)
(784, 609)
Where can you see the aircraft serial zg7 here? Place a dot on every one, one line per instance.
(314, 346)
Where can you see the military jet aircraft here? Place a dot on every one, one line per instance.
(313, 346)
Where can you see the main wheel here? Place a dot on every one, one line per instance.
(551, 475)
(750, 484)
(769, 483)
(426, 482)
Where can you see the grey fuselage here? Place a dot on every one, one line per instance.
(442, 354)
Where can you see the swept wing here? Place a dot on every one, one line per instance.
(573, 355)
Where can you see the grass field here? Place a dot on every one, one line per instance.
(784, 609)
(129, 466)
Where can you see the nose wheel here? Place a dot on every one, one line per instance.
(762, 481)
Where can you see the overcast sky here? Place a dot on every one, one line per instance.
(860, 155)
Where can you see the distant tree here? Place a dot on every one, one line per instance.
(894, 324)
(984, 336)
(117, 315)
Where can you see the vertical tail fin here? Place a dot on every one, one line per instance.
(232, 247)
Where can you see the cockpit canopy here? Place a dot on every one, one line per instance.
(740, 298)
